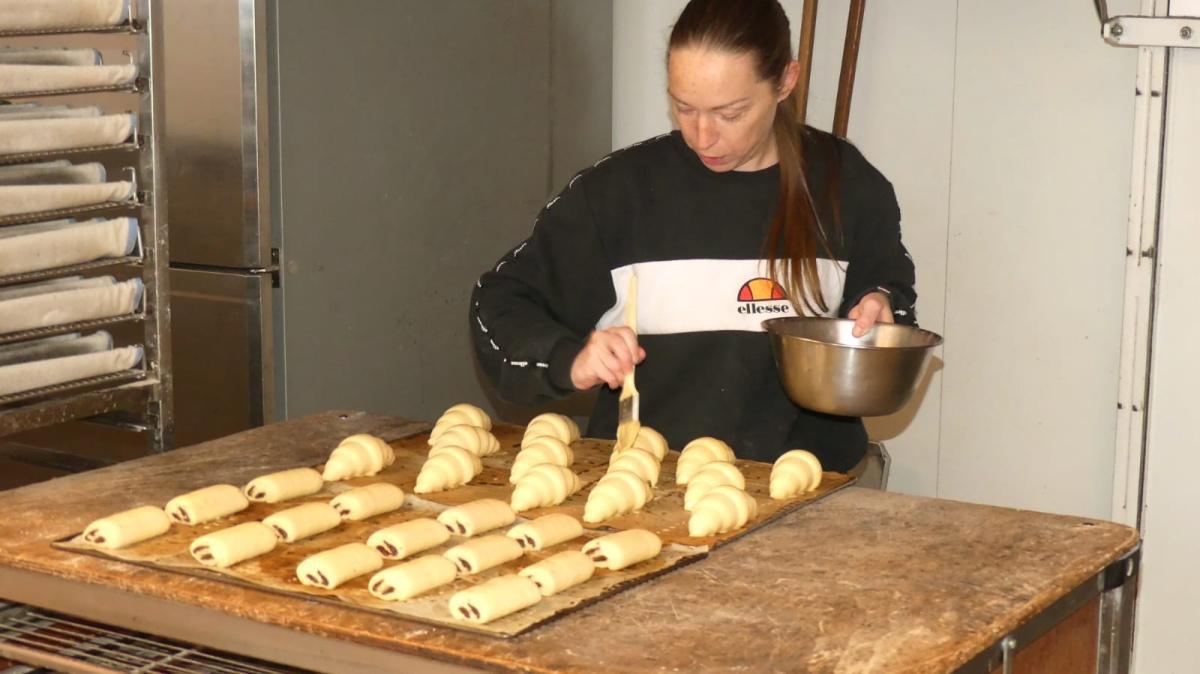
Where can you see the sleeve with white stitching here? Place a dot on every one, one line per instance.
(532, 312)
(878, 259)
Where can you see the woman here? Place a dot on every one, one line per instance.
(742, 214)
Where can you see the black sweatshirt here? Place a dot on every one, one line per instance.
(695, 238)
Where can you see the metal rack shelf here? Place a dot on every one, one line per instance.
(127, 27)
(67, 328)
(56, 641)
(29, 157)
(72, 386)
(131, 87)
(31, 276)
(42, 216)
(80, 405)
(146, 392)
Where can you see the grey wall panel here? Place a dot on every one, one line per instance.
(580, 86)
(414, 152)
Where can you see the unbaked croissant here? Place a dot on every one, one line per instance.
(712, 474)
(699, 452)
(722, 509)
(796, 472)
(544, 485)
(475, 440)
(652, 441)
(542, 449)
(617, 493)
(557, 425)
(446, 468)
(638, 461)
(358, 456)
(461, 414)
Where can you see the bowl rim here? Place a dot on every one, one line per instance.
(767, 324)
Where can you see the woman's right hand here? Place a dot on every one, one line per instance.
(607, 357)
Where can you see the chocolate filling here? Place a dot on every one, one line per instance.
(344, 512)
(261, 495)
(464, 564)
(463, 610)
(312, 578)
(375, 587)
(98, 539)
(324, 580)
(474, 610)
(450, 528)
(461, 529)
(532, 543)
(388, 591)
(279, 532)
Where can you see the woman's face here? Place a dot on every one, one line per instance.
(723, 109)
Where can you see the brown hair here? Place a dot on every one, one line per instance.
(761, 27)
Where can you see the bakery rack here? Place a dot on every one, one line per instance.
(144, 392)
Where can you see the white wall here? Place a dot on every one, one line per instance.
(1005, 129)
(1167, 613)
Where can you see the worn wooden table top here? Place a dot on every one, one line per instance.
(864, 581)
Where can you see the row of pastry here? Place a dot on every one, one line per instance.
(541, 472)
(491, 599)
(358, 454)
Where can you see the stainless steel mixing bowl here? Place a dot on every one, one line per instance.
(825, 368)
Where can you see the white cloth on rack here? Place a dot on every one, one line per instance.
(39, 374)
(60, 284)
(62, 245)
(44, 135)
(33, 228)
(47, 112)
(63, 306)
(25, 79)
(61, 172)
(20, 199)
(57, 346)
(62, 14)
(50, 56)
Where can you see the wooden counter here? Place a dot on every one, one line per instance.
(864, 581)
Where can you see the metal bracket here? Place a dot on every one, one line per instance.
(1008, 650)
(1152, 31)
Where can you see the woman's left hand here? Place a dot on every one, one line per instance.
(871, 309)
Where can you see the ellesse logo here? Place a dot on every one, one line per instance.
(762, 296)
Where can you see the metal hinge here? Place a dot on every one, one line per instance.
(1147, 31)
(276, 278)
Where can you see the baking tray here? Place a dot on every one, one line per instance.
(274, 572)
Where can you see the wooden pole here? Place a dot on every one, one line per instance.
(808, 29)
(841, 113)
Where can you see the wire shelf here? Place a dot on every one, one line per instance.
(68, 270)
(122, 377)
(27, 633)
(66, 328)
(40, 216)
(128, 87)
(29, 157)
(127, 27)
